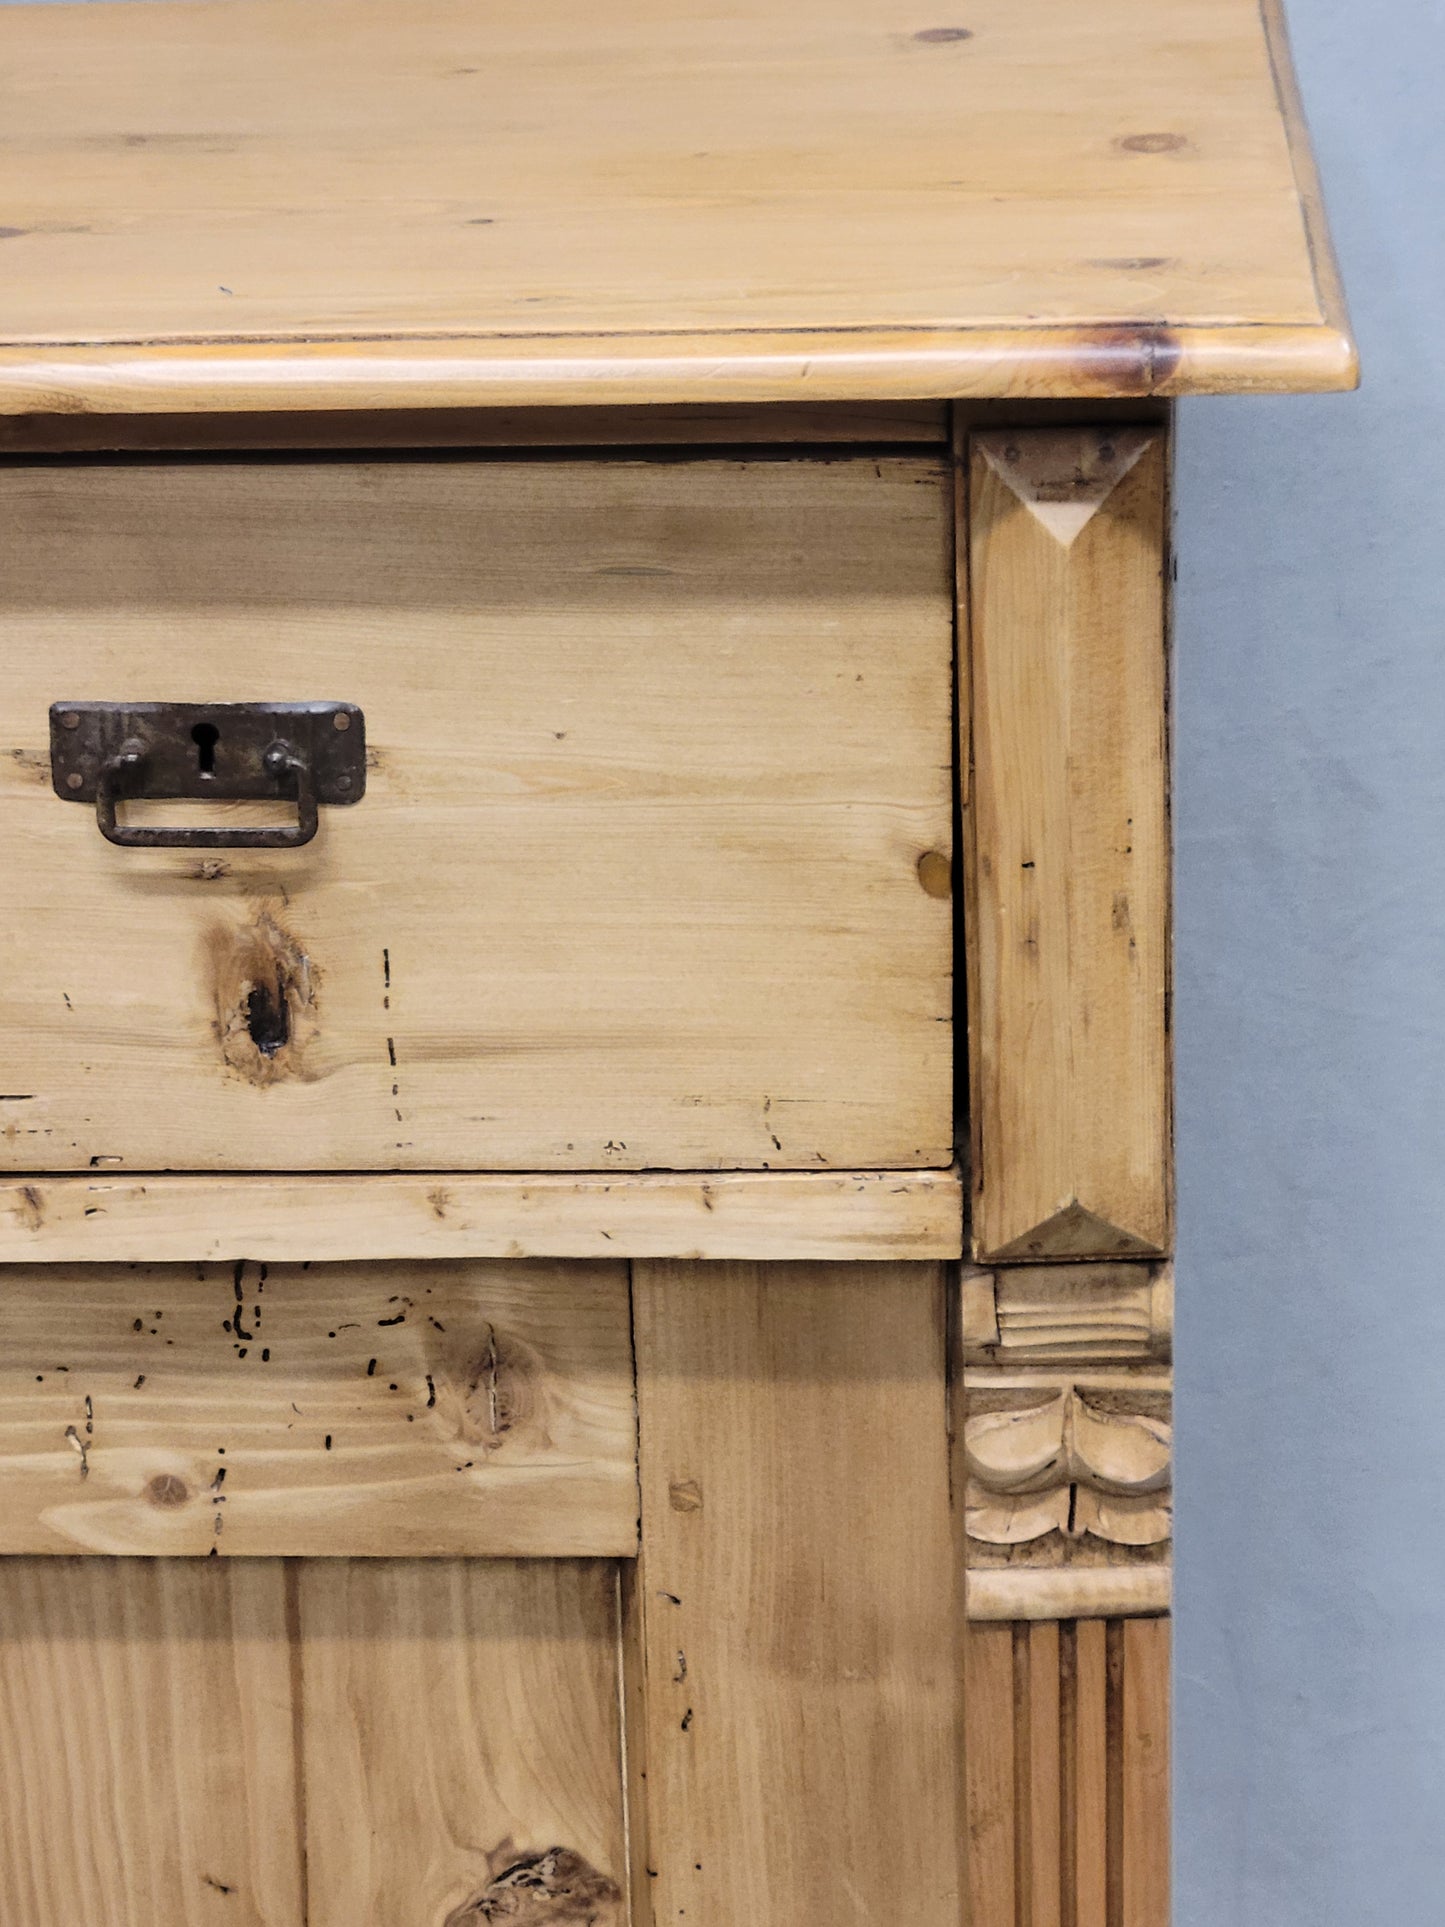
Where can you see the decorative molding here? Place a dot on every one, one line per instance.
(1068, 1465)
(1066, 1733)
(1067, 1490)
(1068, 1314)
(1069, 1592)
(1065, 476)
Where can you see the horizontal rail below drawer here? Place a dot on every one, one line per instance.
(735, 1214)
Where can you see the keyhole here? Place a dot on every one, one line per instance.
(205, 736)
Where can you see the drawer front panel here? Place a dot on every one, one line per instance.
(400, 1409)
(651, 869)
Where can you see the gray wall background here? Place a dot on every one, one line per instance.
(1310, 1006)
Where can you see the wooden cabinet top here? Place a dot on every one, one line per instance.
(349, 203)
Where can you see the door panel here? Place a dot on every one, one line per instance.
(148, 1768)
(200, 1743)
(462, 1743)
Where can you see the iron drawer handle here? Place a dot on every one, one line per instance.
(310, 753)
(280, 762)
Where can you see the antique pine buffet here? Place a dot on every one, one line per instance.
(544, 550)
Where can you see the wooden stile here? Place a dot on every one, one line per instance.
(1144, 1868)
(1066, 844)
(800, 1709)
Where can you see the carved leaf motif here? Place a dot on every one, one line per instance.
(1123, 1522)
(1019, 1451)
(1065, 1466)
(1114, 1452)
(1014, 1521)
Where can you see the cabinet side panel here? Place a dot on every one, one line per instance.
(797, 1631)
(1066, 843)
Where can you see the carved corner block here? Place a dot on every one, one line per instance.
(1066, 1441)
(1056, 1314)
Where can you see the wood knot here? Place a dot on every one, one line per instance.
(166, 1490)
(264, 989)
(935, 873)
(555, 1888)
(490, 1385)
(685, 1495)
(1151, 143)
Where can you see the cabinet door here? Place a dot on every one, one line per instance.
(754, 1722)
(198, 1725)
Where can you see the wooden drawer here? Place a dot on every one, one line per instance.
(653, 863)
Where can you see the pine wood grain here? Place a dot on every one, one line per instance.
(347, 1409)
(1068, 1773)
(1036, 1657)
(1066, 844)
(1085, 1744)
(461, 1742)
(728, 1214)
(989, 1698)
(1144, 1873)
(801, 1739)
(146, 1732)
(656, 752)
(260, 207)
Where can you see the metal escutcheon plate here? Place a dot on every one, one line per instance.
(312, 753)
